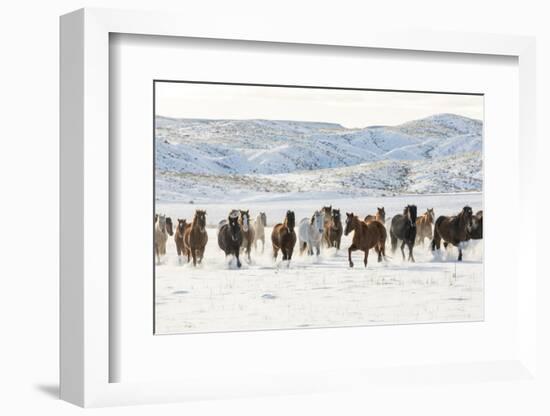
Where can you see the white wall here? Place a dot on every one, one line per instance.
(29, 208)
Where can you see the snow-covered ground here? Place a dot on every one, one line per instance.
(316, 292)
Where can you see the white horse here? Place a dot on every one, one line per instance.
(161, 236)
(259, 228)
(310, 233)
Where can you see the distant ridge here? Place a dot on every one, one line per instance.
(280, 147)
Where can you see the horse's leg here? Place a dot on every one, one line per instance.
(275, 252)
(378, 251)
(194, 254)
(201, 254)
(459, 252)
(237, 257)
(351, 249)
(402, 249)
(157, 253)
(263, 244)
(365, 259)
(318, 248)
(411, 246)
(302, 245)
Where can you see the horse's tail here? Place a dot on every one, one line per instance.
(393, 239)
(303, 246)
(436, 240)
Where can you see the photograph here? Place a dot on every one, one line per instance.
(291, 207)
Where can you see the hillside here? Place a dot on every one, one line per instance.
(194, 157)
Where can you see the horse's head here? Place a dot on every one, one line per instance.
(234, 226)
(431, 215)
(317, 220)
(161, 221)
(200, 219)
(169, 226)
(245, 220)
(382, 213)
(410, 214)
(263, 219)
(349, 223)
(327, 210)
(290, 221)
(467, 215)
(181, 226)
(336, 220)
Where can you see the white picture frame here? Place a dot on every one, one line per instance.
(85, 355)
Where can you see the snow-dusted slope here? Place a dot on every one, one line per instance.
(441, 153)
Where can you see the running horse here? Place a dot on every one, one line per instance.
(335, 229)
(259, 230)
(365, 236)
(453, 230)
(327, 212)
(247, 232)
(196, 237)
(283, 237)
(424, 226)
(380, 216)
(230, 236)
(403, 227)
(178, 237)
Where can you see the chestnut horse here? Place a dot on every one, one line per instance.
(403, 227)
(195, 237)
(283, 237)
(178, 237)
(335, 229)
(247, 231)
(380, 216)
(453, 230)
(424, 226)
(327, 212)
(365, 237)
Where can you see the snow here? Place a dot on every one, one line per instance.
(437, 154)
(317, 292)
(275, 165)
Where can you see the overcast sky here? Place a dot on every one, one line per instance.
(348, 108)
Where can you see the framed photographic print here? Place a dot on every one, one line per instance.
(252, 213)
(265, 193)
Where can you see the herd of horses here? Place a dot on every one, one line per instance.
(237, 233)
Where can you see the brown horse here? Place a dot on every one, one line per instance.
(178, 237)
(453, 230)
(335, 229)
(195, 237)
(365, 237)
(283, 237)
(380, 216)
(424, 226)
(327, 212)
(247, 232)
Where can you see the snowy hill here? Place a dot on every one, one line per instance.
(441, 153)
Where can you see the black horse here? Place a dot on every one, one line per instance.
(476, 230)
(403, 227)
(230, 237)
